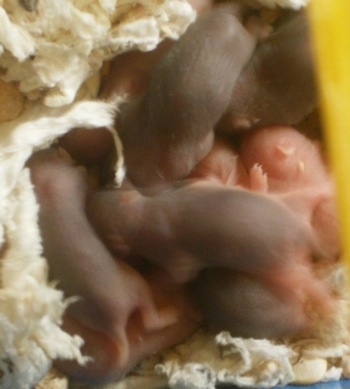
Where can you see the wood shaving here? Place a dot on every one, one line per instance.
(11, 101)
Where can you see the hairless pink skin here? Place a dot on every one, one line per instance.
(288, 167)
(289, 159)
(114, 296)
(293, 168)
(282, 163)
(222, 165)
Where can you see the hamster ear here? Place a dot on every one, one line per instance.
(64, 155)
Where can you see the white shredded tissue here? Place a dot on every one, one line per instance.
(53, 50)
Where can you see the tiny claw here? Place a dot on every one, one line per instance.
(243, 123)
(160, 319)
(258, 179)
(123, 347)
(64, 155)
(258, 27)
(301, 166)
(285, 150)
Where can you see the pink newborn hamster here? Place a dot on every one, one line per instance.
(294, 169)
